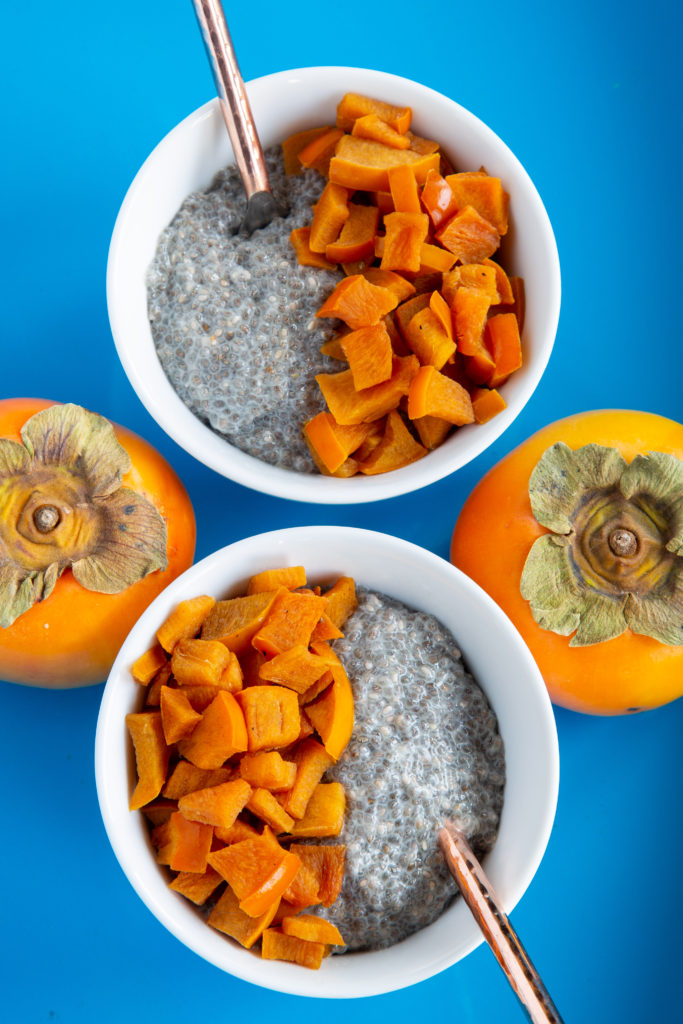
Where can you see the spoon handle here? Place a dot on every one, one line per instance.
(499, 933)
(235, 107)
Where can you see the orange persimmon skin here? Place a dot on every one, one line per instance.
(493, 536)
(72, 638)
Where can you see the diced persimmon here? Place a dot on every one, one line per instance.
(434, 259)
(407, 310)
(151, 756)
(326, 862)
(373, 439)
(220, 733)
(238, 831)
(159, 811)
(316, 688)
(196, 887)
(358, 303)
(332, 441)
(265, 806)
(285, 908)
(332, 714)
(484, 193)
(397, 448)
(313, 929)
(403, 188)
(300, 239)
(503, 286)
(235, 621)
(271, 714)
(479, 366)
(401, 287)
(275, 945)
(227, 917)
(298, 668)
(423, 146)
(370, 126)
(442, 311)
(268, 770)
(437, 199)
(325, 629)
(290, 577)
(519, 305)
(472, 275)
(183, 845)
(178, 717)
(349, 466)
(318, 152)
(341, 600)
(487, 403)
(433, 394)
(289, 622)
(356, 240)
(294, 144)
(329, 214)
(405, 234)
(369, 354)
(469, 236)
(364, 165)
(153, 695)
(349, 406)
(432, 430)
(428, 338)
(148, 664)
(470, 308)
(258, 876)
(324, 815)
(353, 105)
(503, 341)
(186, 778)
(199, 697)
(333, 349)
(303, 889)
(217, 805)
(312, 761)
(206, 663)
(184, 621)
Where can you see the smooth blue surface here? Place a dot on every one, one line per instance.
(586, 95)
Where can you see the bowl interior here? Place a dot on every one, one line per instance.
(496, 656)
(188, 158)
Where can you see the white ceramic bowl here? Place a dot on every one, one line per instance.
(495, 654)
(188, 158)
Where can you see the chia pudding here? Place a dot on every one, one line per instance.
(425, 748)
(232, 318)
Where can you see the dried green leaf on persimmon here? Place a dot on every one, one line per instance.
(62, 505)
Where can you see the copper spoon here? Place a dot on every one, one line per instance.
(239, 120)
(498, 932)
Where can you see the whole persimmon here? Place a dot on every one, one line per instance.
(94, 523)
(578, 535)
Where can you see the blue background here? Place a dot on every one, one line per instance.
(585, 95)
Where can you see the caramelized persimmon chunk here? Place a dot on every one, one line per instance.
(267, 769)
(470, 308)
(300, 240)
(184, 621)
(354, 105)
(433, 394)
(276, 945)
(333, 713)
(298, 668)
(329, 214)
(469, 236)
(216, 805)
(324, 815)
(326, 863)
(487, 403)
(312, 761)
(290, 622)
(178, 717)
(341, 600)
(183, 845)
(271, 714)
(503, 341)
(318, 152)
(349, 406)
(358, 302)
(196, 887)
(397, 448)
(186, 778)
(205, 663)
(151, 756)
(148, 664)
(405, 234)
(363, 164)
(290, 577)
(369, 354)
(235, 621)
(227, 917)
(333, 442)
(484, 193)
(313, 929)
(356, 240)
(220, 733)
(265, 806)
(294, 144)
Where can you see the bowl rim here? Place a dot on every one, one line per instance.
(113, 794)
(198, 439)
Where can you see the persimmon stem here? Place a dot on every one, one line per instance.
(46, 518)
(622, 542)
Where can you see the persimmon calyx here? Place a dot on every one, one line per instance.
(612, 559)
(62, 505)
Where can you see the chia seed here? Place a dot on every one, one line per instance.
(425, 748)
(233, 318)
